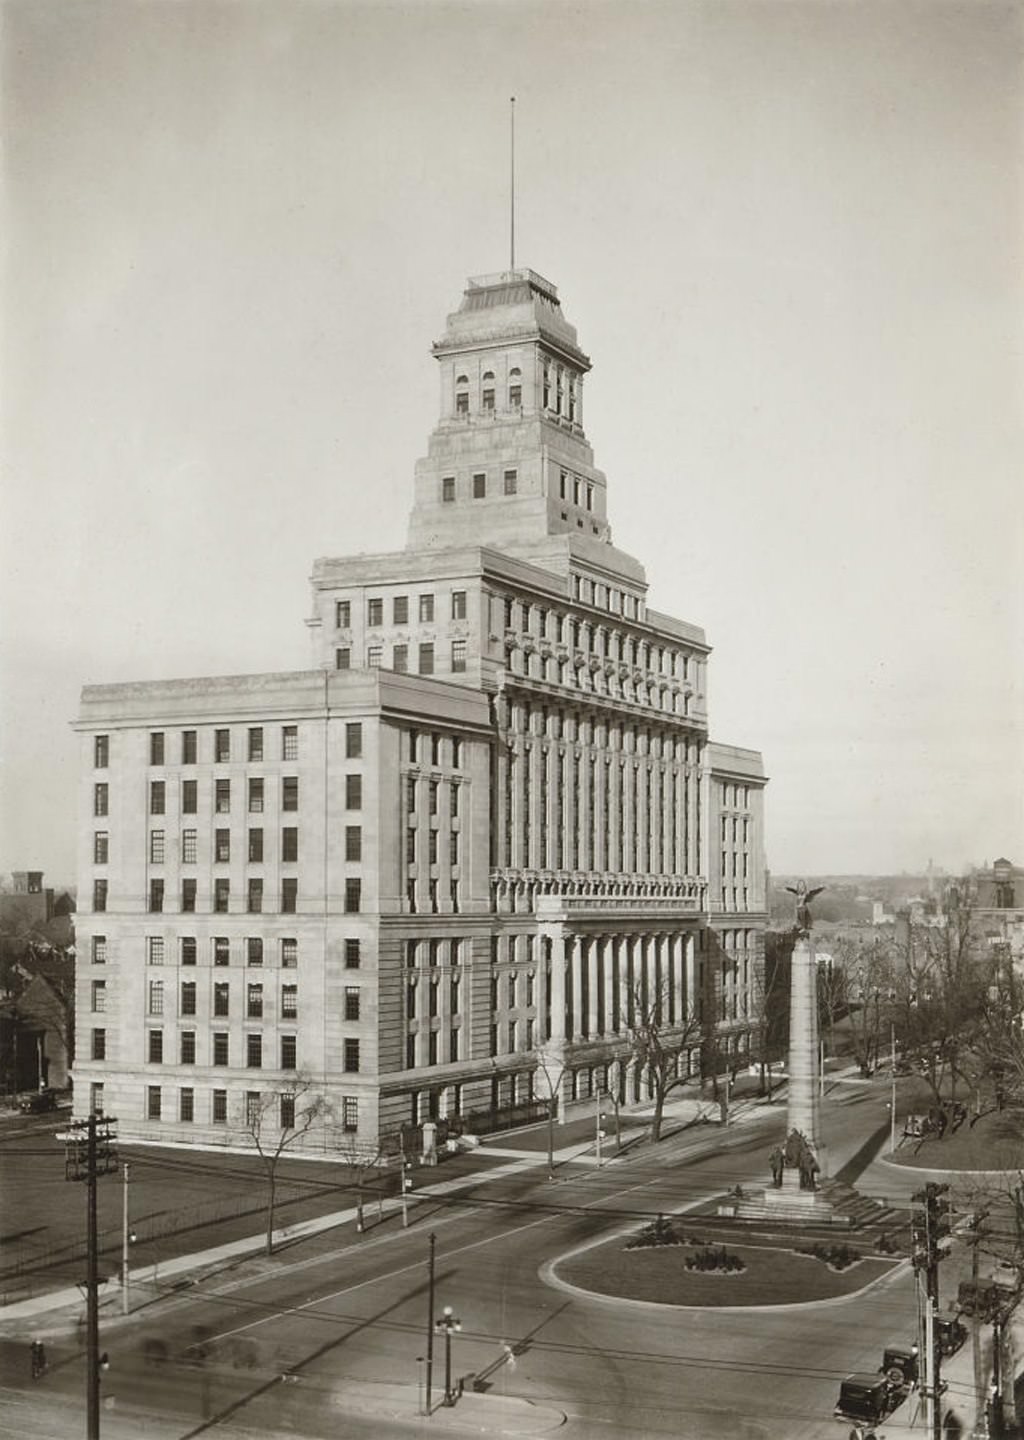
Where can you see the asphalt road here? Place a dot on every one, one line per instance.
(325, 1340)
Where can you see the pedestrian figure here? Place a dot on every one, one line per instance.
(775, 1160)
(38, 1358)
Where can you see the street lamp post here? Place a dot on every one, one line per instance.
(446, 1325)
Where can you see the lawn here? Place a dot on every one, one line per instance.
(989, 1144)
(772, 1277)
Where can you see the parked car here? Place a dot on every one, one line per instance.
(39, 1103)
(899, 1362)
(868, 1397)
(951, 1333)
(983, 1298)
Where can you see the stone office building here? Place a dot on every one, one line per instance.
(437, 873)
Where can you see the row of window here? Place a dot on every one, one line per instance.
(289, 848)
(189, 742)
(259, 1109)
(478, 488)
(412, 846)
(400, 658)
(255, 896)
(188, 993)
(597, 641)
(610, 737)
(740, 831)
(606, 597)
(488, 391)
(399, 610)
(254, 949)
(735, 797)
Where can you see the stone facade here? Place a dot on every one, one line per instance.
(544, 838)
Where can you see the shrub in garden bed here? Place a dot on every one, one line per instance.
(657, 1232)
(713, 1257)
(836, 1257)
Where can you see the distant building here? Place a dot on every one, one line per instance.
(443, 870)
(998, 906)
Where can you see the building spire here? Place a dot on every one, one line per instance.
(512, 182)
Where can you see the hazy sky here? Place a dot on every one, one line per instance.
(789, 235)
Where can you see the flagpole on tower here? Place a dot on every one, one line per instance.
(512, 182)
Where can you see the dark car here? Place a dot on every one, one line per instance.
(951, 1333)
(39, 1103)
(983, 1298)
(867, 1397)
(899, 1362)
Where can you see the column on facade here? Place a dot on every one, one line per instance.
(590, 969)
(690, 963)
(608, 962)
(694, 788)
(678, 827)
(553, 940)
(574, 1021)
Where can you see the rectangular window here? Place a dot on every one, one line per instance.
(222, 797)
(353, 741)
(432, 847)
(254, 897)
(189, 797)
(157, 797)
(156, 997)
(289, 1002)
(101, 751)
(410, 795)
(221, 998)
(290, 843)
(219, 1114)
(253, 1109)
(222, 846)
(400, 659)
(221, 950)
(353, 896)
(156, 747)
(353, 792)
(99, 949)
(221, 896)
(99, 1044)
(426, 660)
(188, 847)
(453, 848)
(351, 1002)
(221, 746)
(255, 846)
(188, 949)
(400, 610)
(156, 847)
(462, 403)
(289, 1056)
(289, 792)
(287, 1112)
(511, 482)
(349, 1114)
(410, 1052)
(96, 1097)
(254, 1051)
(352, 1057)
(432, 1048)
(433, 789)
(254, 950)
(188, 997)
(458, 657)
(353, 842)
(488, 399)
(289, 742)
(187, 1104)
(515, 397)
(342, 614)
(375, 612)
(426, 609)
(100, 798)
(255, 796)
(220, 1047)
(453, 801)
(256, 742)
(289, 954)
(458, 604)
(351, 954)
(448, 489)
(189, 748)
(479, 487)
(100, 847)
(343, 658)
(374, 657)
(156, 896)
(188, 1047)
(153, 1099)
(155, 950)
(410, 845)
(289, 895)
(156, 1047)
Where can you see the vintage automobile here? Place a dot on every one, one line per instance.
(952, 1333)
(984, 1298)
(899, 1362)
(868, 1397)
(39, 1103)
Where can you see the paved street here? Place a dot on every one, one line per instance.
(332, 1331)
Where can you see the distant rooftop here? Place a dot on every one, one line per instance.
(512, 277)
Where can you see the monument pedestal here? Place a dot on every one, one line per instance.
(788, 1204)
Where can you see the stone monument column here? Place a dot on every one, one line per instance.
(802, 1107)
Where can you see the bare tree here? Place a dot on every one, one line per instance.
(552, 1068)
(870, 979)
(659, 1044)
(361, 1163)
(276, 1120)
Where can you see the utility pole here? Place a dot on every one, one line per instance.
(430, 1318)
(892, 1101)
(90, 1153)
(930, 1234)
(125, 1241)
(598, 1132)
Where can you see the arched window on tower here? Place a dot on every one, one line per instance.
(547, 385)
(462, 394)
(515, 388)
(487, 396)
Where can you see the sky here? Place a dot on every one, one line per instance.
(789, 236)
